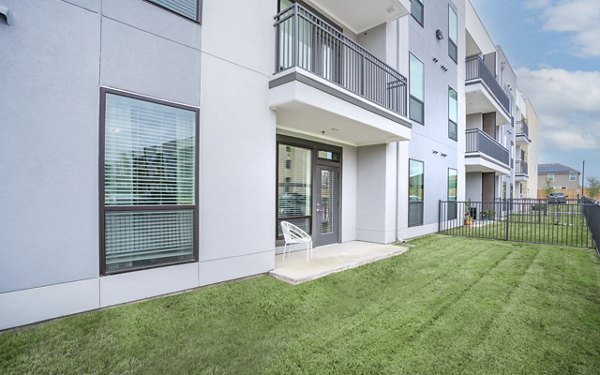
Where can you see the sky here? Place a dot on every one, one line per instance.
(554, 48)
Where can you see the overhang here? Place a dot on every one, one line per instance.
(306, 104)
(361, 15)
(479, 162)
(479, 100)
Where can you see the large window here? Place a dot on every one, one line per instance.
(418, 11)
(294, 187)
(550, 177)
(572, 176)
(187, 8)
(452, 193)
(148, 190)
(416, 192)
(417, 90)
(452, 114)
(452, 34)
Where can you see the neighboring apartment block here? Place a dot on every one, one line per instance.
(560, 178)
(154, 146)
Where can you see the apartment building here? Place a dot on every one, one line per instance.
(526, 130)
(559, 177)
(155, 146)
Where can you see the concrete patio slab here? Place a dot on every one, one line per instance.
(330, 259)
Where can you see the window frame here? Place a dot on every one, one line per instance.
(315, 147)
(550, 177)
(449, 119)
(410, 96)
(451, 202)
(101, 184)
(198, 19)
(422, 202)
(420, 22)
(450, 41)
(574, 175)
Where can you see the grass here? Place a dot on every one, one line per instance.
(558, 225)
(449, 305)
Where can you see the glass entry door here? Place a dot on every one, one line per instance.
(326, 205)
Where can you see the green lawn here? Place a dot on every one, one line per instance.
(558, 225)
(449, 305)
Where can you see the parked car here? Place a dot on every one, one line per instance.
(558, 198)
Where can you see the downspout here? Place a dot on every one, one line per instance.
(398, 239)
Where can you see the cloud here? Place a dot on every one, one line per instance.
(579, 18)
(568, 105)
(537, 4)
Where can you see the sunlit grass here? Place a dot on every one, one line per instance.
(449, 305)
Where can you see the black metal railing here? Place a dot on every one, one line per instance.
(477, 70)
(306, 41)
(591, 212)
(479, 141)
(522, 168)
(522, 129)
(568, 223)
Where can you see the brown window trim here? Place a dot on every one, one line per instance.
(101, 203)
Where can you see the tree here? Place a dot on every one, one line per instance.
(593, 186)
(548, 188)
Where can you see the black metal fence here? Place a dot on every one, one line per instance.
(591, 212)
(540, 221)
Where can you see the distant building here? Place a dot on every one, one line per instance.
(562, 179)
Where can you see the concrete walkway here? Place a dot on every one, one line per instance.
(330, 259)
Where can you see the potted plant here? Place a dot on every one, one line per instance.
(488, 214)
(468, 218)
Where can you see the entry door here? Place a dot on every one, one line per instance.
(327, 212)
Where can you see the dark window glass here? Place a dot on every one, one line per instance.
(452, 114)
(452, 34)
(417, 90)
(417, 10)
(416, 192)
(452, 193)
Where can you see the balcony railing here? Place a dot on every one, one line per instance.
(522, 168)
(479, 141)
(522, 129)
(477, 70)
(306, 41)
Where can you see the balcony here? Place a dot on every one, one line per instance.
(320, 72)
(522, 133)
(485, 154)
(493, 98)
(521, 170)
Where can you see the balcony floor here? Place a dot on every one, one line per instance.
(330, 259)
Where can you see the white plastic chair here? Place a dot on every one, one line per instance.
(294, 235)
